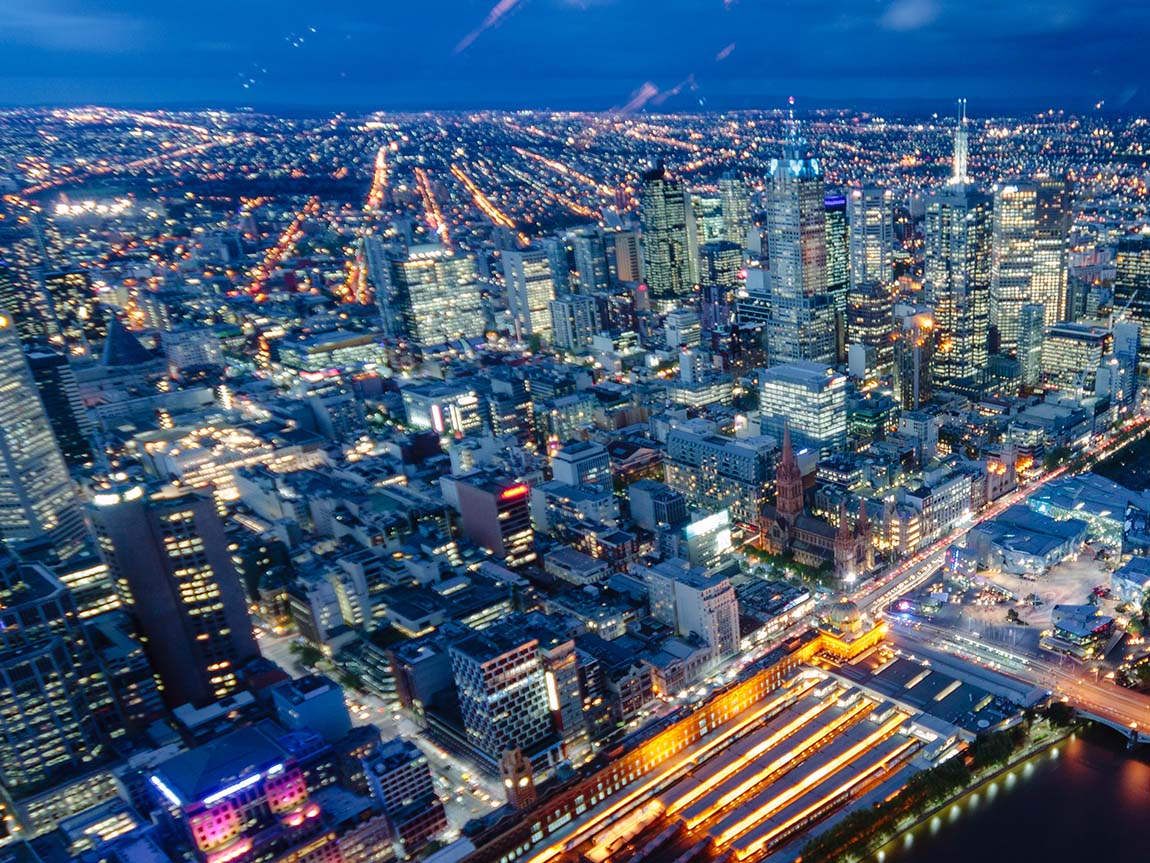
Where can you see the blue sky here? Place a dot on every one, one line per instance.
(593, 54)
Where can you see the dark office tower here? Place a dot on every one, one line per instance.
(52, 694)
(802, 325)
(957, 274)
(590, 260)
(720, 263)
(870, 213)
(735, 205)
(80, 318)
(37, 499)
(838, 264)
(628, 257)
(169, 556)
(60, 393)
(870, 322)
(669, 240)
(556, 250)
(1132, 292)
(22, 296)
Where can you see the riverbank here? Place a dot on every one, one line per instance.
(864, 832)
(1039, 749)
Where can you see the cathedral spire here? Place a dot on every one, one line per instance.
(788, 482)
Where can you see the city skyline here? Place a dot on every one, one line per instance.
(581, 54)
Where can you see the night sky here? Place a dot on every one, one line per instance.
(590, 54)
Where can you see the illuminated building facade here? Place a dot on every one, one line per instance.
(870, 322)
(1072, 354)
(37, 499)
(574, 321)
(714, 472)
(530, 290)
(433, 297)
(496, 515)
(870, 213)
(1132, 291)
(808, 398)
(735, 205)
(400, 781)
(168, 554)
(52, 692)
(669, 241)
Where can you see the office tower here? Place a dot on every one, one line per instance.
(1012, 261)
(870, 322)
(556, 250)
(1031, 329)
(914, 349)
(433, 297)
(56, 383)
(802, 323)
(590, 260)
(501, 684)
(714, 472)
(1072, 353)
(682, 328)
(838, 264)
(708, 217)
(169, 555)
(52, 692)
(695, 600)
(1126, 347)
(735, 203)
(496, 515)
(957, 274)
(628, 257)
(669, 241)
(530, 289)
(1029, 254)
(37, 499)
(870, 214)
(810, 400)
(574, 320)
(720, 263)
(400, 781)
(582, 463)
(1132, 292)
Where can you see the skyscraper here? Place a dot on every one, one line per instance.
(433, 296)
(838, 265)
(590, 255)
(735, 204)
(628, 257)
(169, 555)
(957, 273)
(1132, 292)
(808, 399)
(1031, 330)
(51, 689)
(1050, 275)
(56, 383)
(870, 213)
(574, 320)
(669, 239)
(802, 322)
(870, 322)
(37, 499)
(530, 290)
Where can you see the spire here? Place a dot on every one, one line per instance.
(959, 175)
(788, 482)
(844, 533)
(793, 140)
(863, 522)
(788, 451)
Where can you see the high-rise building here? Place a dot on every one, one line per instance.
(914, 348)
(720, 263)
(628, 257)
(37, 498)
(168, 553)
(557, 254)
(502, 689)
(810, 400)
(582, 463)
(496, 515)
(669, 239)
(79, 317)
(802, 323)
(51, 689)
(23, 298)
(1031, 331)
(957, 273)
(1072, 353)
(715, 472)
(1050, 275)
(590, 260)
(870, 322)
(433, 297)
(574, 320)
(838, 265)
(1132, 292)
(870, 213)
(530, 290)
(56, 383)
(708, 217)
(735, 204)
(401, 782)
(695, 600)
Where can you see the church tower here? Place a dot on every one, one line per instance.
(788, 483)
(518, 781)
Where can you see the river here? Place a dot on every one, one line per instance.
(1086, 801)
